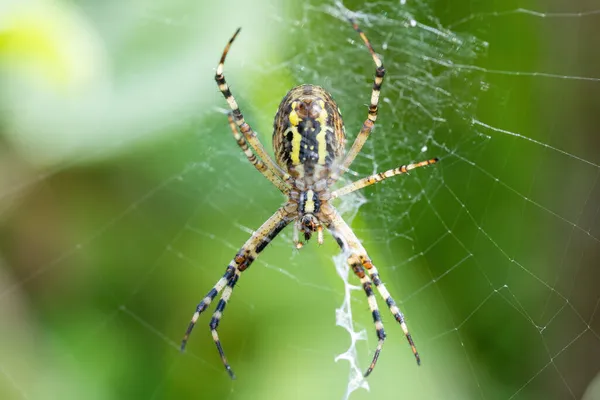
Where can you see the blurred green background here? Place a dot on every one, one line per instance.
(123, 197)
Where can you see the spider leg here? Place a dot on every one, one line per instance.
(257, 162)
(210, 296)
(359, 258)
(238, 117)
(398, 315)
(216, 318)
(359, 271)
(370, 180)
(242, 260)
(365, 131)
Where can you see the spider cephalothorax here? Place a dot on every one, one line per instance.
(309, 144)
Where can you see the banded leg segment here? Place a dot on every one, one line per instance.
(257, 162)
(355, 263)
(349, 242)
(370, 180)
(366, 283)
(374, 275)
(243, 259)
(203, 305)
(216, 318)
(238, 117)
(367, 127)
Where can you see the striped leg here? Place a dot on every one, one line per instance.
(354, 261)
(374, 275)
(243, 259)
(258, 164)
(216, 318)
(203, 305)
(370, 180)
(356, 265)
(246, 130)
(365, 131)
(349, 242)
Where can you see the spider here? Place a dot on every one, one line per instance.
(308, 142)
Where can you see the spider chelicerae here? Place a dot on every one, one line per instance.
(309, 144)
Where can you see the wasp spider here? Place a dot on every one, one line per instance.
(308, 141)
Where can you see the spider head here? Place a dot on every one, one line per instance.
(309, 205)
(309, 224)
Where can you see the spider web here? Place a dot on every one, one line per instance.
(123, 197)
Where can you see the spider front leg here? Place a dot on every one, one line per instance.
(216, 318)
(354, 261)
(243, 259)
(374, 275)
(359, 271)
(359, 261)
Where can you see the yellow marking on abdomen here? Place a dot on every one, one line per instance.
(296, 137)
(321, 140)
(296, 142)
(294, 119)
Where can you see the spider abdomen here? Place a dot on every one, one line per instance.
(308, 135)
